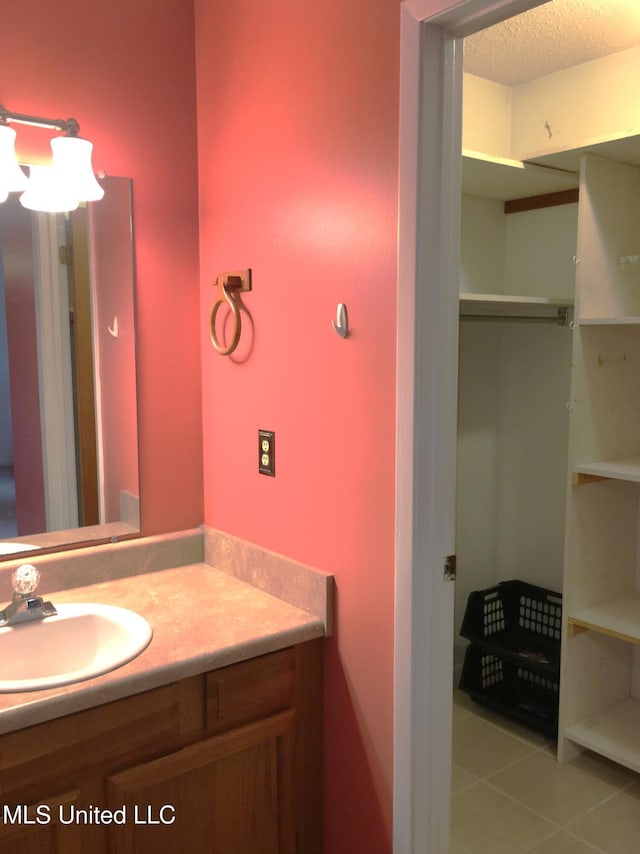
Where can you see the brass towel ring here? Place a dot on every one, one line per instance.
(228, 284)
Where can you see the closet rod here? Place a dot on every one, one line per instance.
(559, 319)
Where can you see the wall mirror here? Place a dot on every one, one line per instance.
(68, 406)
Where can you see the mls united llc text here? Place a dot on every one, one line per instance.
(42, 814)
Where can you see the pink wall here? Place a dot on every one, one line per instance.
(298, 127)
(126, 72)
(297, 140)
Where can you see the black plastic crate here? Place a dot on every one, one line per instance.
(512, 688)
(517, 621)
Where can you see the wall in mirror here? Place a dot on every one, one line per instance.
(68, 406)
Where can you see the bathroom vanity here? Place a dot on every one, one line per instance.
(209, 741)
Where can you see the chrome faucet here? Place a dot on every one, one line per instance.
(25, 607)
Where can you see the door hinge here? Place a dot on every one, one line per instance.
(450, 568)
(65, 255)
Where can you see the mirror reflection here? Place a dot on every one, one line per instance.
(68, 413)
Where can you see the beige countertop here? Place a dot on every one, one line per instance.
(202, 619)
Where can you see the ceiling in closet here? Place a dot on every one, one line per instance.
(551, 37)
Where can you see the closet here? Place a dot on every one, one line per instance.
(548, 480)
(549, 399)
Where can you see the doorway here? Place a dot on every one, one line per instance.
(430, 181)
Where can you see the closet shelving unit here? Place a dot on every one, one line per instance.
(600, 671)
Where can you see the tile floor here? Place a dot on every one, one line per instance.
(510, 796)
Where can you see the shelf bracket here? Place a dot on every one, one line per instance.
(576, 629)
(579, 478)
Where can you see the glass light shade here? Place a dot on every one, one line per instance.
(12, 178)
(72, 158)
(48, 191)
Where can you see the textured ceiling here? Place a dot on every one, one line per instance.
(551, 37)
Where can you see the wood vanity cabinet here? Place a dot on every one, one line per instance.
(228, 762)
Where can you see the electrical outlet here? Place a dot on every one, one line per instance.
(267, 452)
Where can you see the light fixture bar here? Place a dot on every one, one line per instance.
(62, 185)
(69, 126)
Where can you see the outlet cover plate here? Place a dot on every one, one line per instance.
(267, 452)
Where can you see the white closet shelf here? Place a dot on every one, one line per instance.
(626, 468)
(613, 732)
(547, 309)
(624, 149)
(493, 177)
(619, 618)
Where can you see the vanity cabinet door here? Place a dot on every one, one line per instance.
(38, 829)
(231, 793)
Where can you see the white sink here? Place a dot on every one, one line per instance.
(82, 641)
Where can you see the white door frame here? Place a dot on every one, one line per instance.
(51, 285)
(426, 406)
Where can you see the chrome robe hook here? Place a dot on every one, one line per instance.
(341, 323)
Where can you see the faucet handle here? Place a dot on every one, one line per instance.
(25, 579)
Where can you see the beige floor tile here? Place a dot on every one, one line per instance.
(551, 749)
(613, 827)
(484, 749)
(595, 799)
(459, 713)
(559, 792)
(563, 843)
(461, 778)
(484, 821)
(462, 702)
(633, 789)
(535, 739)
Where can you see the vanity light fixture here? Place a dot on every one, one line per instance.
(12, 178)
(47, 192)
(59, 187)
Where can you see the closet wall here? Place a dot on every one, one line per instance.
(513, 416)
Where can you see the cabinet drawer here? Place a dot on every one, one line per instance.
(253, 689)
